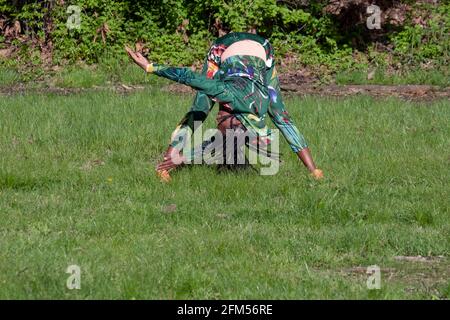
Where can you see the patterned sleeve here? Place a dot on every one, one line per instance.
(279, 115)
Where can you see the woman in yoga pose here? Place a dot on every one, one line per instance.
(239, 74)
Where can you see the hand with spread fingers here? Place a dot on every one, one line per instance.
(139, 59)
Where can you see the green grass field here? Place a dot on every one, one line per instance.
(77, 186)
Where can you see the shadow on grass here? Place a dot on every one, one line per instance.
(15, 182)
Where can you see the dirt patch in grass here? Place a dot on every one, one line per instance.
(294, 84)
(426, 276)
(407, 92)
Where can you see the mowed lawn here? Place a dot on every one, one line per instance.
(77, 186)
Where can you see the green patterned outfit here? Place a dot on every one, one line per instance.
(245, 86)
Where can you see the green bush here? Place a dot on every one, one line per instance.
(179, 32)
(416, 43)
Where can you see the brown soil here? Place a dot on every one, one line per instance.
(409, 92)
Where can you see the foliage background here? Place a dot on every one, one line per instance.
(327, 37)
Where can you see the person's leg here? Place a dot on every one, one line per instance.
(198, 113)
(214, 89)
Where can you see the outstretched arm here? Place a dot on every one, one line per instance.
(295, 139)
(215, 89)
(280, 117)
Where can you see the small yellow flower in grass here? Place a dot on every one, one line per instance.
(109, 179)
